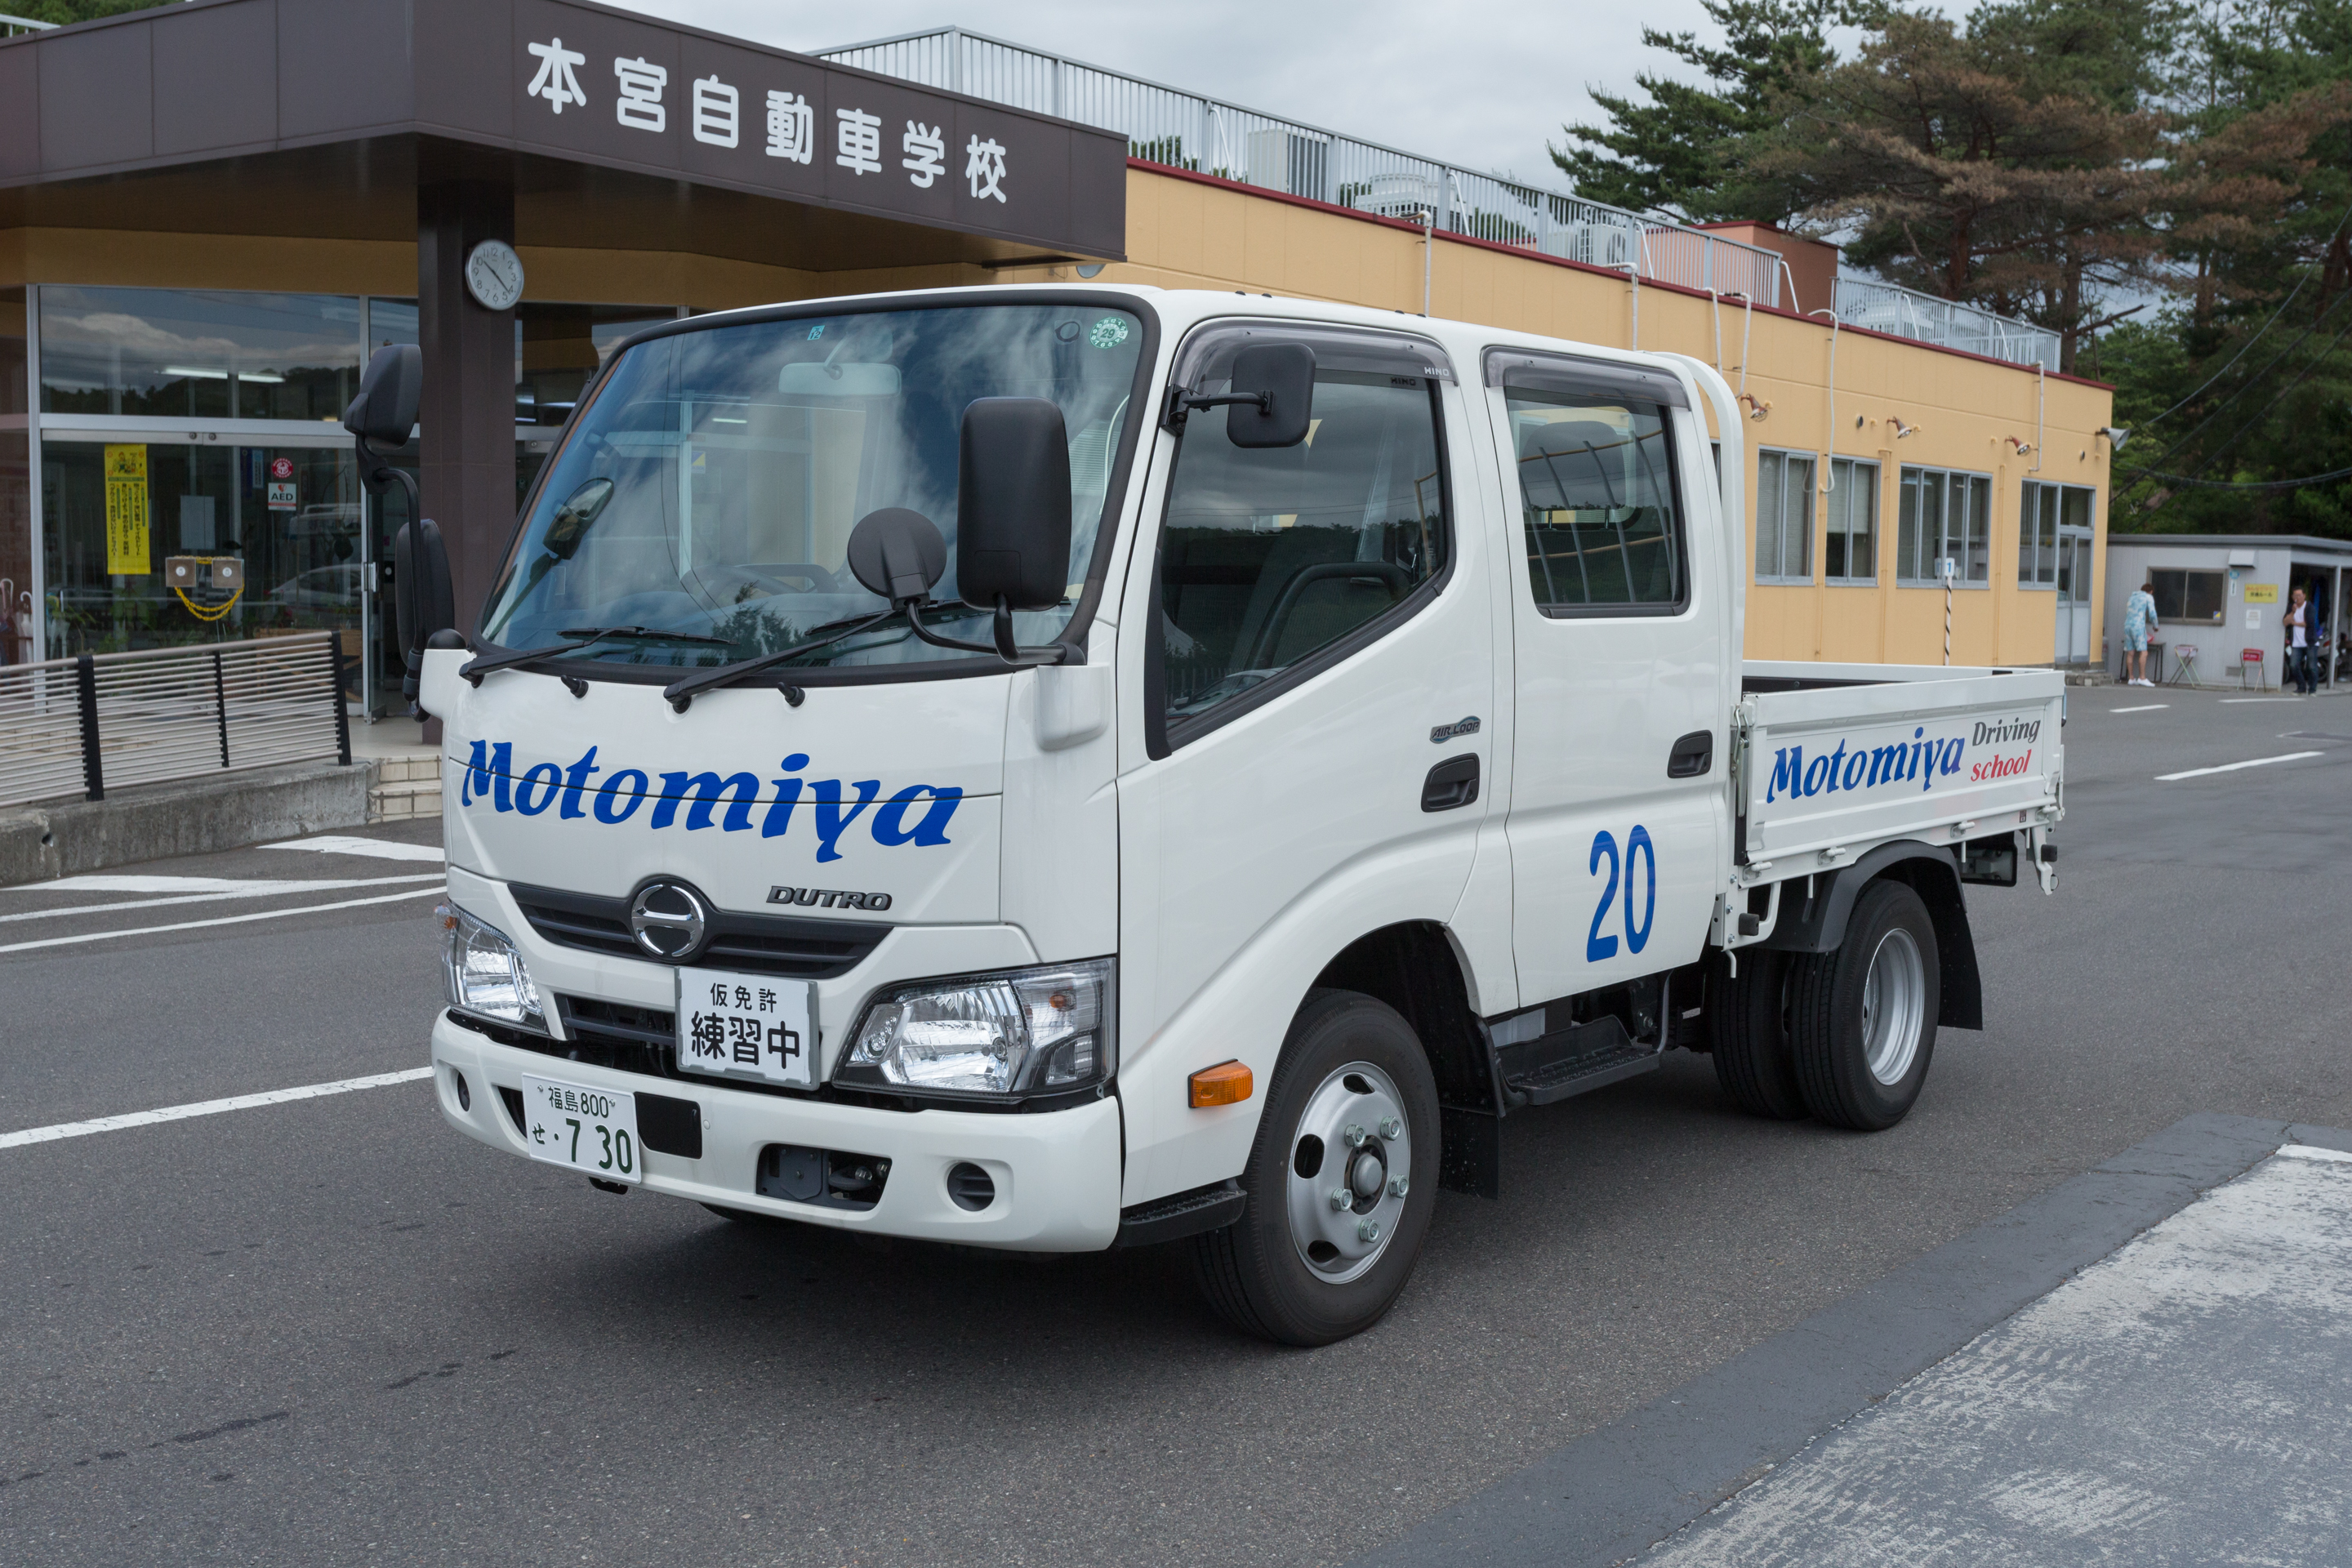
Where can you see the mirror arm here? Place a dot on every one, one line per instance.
(1181, 402)
(1002, 647)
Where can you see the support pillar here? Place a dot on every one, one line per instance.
(467, 472)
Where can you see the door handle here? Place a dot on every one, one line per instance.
(1451, 784)
(1693, 756)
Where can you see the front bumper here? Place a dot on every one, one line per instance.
(1057, 1172)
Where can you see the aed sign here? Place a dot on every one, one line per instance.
(2261, 592)
(281, 492)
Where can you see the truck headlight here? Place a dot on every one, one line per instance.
(486, 972)
(1016, 1031)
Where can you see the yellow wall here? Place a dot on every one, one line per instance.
(1189, 233)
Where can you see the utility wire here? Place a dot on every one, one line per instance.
(2276, 398)
(2250, 381)
(2248, 484)
(2265, 327)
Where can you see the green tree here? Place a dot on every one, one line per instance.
(63, 10)
(1683, 151)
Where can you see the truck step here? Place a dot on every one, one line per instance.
(1575, 1060)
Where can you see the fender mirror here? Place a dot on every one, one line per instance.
(1013, 505)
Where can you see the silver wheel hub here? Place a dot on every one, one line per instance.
(1894, 1006)
(1350, 1168)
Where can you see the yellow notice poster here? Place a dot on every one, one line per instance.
(2261, 592)
(127, 553)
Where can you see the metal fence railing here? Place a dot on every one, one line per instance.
(76, 726)
(1907, 314)
(1166, 125)
(13, 26)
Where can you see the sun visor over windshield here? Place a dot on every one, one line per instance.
(1207, 356)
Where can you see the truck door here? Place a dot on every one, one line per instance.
(1619, 647)
(1315, 615)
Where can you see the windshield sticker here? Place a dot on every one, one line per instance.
(1110, 333)
(917, 814)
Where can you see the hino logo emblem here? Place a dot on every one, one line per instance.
(668, 920)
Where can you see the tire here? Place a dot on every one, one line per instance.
(1862, 1040)
(1295, 1268)
(1753, 1060)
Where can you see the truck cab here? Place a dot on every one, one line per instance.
(1056, 768)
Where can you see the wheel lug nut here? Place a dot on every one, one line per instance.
(1354, 1136)
(1368, 1230)
(1391, 1127)
(1341, 1198)
(1397, 1186)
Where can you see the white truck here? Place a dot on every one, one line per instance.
(1056, 768)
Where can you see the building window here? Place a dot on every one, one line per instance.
(1944, 516)
(2191, 597)
(185, 355)
(1597, 502)
(1784, 517)
(1850, 552)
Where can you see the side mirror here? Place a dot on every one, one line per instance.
(1273, 396)
(1013, 505)
(570, 523)
(385, 410)
(898, 555)
(424, 602)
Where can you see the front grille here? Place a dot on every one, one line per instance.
(758, 945)
(618, 1035)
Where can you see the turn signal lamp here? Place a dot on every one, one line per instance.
(1227, 1083)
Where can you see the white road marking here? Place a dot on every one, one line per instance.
(2227, 700)
(2144, 708)
(2200, 773)
(382, 848)
(221, 921)
(2310, 1152)
(206, 1108)
(233, 890)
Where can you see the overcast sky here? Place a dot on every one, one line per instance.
(1483, 87)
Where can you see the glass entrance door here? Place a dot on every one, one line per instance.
(2075, 610)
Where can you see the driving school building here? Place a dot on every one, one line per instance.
(211, 212)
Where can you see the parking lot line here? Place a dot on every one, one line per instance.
(226, 920)
(351, 844)
(206, 1108)
(2194, 772)
(2142, 708)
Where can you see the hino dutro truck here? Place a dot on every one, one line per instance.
(1065, 768)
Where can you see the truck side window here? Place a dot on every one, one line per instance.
(1597, 492)
(1270, 558)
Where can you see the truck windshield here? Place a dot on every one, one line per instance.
(710, 487)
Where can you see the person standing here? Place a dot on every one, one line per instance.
(2298, 643)
(2139, 622)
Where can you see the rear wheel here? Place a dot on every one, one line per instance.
(1862, 1019)
(1342, 1179)
(1753, 1061)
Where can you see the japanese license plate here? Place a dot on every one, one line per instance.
(753, 1026)
(591, 1129)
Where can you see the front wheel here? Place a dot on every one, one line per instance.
(1342, 1179)
(1862, 1018)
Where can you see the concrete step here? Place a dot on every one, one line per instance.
(407, 769)
(399, 802)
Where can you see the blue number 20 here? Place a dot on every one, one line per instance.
(1637, 843)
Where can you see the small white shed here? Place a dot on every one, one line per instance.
(2220, 597)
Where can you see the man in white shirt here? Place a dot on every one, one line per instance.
(2298, 642)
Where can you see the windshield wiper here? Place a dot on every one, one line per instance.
(583, 637)
(681, 692)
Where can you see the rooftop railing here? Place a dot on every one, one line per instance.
(1186, 131)
(1907, 314)
(13, 26)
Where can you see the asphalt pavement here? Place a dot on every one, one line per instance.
(330, 1330)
